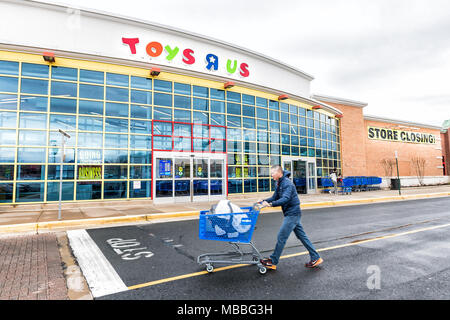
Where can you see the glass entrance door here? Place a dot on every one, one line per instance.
(188, 177)
(302, 173)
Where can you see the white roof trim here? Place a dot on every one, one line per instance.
(346, 102)
(400, 122)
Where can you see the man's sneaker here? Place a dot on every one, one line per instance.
(268, 264)
(314, 263)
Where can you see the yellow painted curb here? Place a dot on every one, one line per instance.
(50, 225)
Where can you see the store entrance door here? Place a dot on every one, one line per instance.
(188, 177)
(302, 173)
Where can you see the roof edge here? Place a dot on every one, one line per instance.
(401, 122)
(337, 100)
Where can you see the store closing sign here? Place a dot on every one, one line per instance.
(400, 135)
(212, 62)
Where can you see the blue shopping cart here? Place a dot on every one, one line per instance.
(236, 228)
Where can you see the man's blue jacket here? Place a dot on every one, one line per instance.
(286, 196)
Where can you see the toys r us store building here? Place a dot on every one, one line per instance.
(166, 115)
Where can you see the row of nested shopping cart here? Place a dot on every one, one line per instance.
(353, 183)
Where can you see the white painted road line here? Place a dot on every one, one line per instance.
(99, 273)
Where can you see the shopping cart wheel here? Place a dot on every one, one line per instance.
(262, 270)
(209, 268)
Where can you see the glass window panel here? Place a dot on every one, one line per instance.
(91, 107)
(201, 145)
(89, 190)
(250, 135)
(54, 154)
(162, 114)
(201, 131)
(63, 105)
(162, 143)
(248, 122)
(63, 122)
(140, 172)
(116, 125)
(164, 189)
(217, 106)
(235, 186)
(284, 128)
(31, 155)
(182, 115)
(234, 134)
(181, 129)
(142, 112)
(90, 123)
(233, 121)
(64, 89)
(262, 113)
(32, 86)
(140, 126)
(30, 192)
(248, 111)
(30, 103)
(217, 94)
(115, 156)
(275, 137)
(90, 156)
(274, 115)
(116, 141)
(6, 192)
(8, 84)
(263, 160)
(116, 109)
(302, 111)
(63, 73)
(163, 99)
(218, 145)
(91, 92)
(233, 96)
(7, 137)
(6, 172)
(249, 147)
(53, 191)
(182, 102)
(309, 113)
(247, 99)
(182, 88)
(117, 79)
(140, 142)
(140, 157)
(200, 104)
(138, 96)
(284, 117)
(117, 94)
(141, 83)
(234, 146)
(200, 91)
(250, 185)
(162, 128)
(200, 117)
(33, 120)
(263, 136)
(274, 105)
(234, 108)
(183, 144)
(7, 155)
(261, 102)
(35, 70)
(91, 140)
(8, 101)
(9, 67)
(54, 172)
(218, 132)
(55, 139)
(274, 126)
(161, 85)
(91, 76)
(217, 119)
(8, 119)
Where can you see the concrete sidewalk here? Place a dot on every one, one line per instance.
(36, 261)
(44, 217)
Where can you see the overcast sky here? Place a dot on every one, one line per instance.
(393, 55)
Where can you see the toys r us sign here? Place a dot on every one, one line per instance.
(155, 49)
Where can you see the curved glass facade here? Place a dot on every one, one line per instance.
(110, 117)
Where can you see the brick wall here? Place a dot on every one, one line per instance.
(445, 143)
(377, 150)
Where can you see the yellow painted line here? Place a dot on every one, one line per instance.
(190, 275)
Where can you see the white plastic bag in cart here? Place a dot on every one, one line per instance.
(225, 206)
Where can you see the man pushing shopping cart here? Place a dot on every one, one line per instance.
(286, 196)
